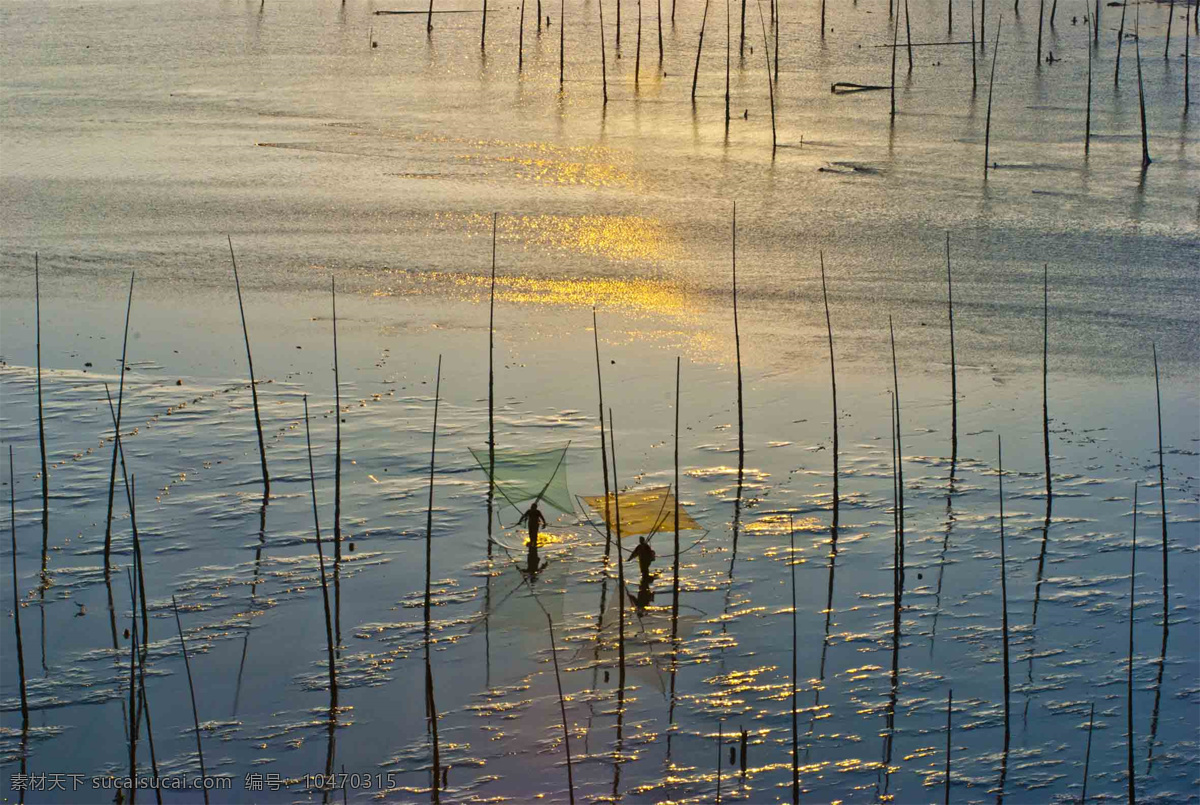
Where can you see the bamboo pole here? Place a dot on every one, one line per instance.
(737, 344)
(660, 45)
(1187, 56)
(1087, 135)
(135, 713)
(949, 734)
(262, 452)
(603, 439)
(1096, 24)
(795, 726)
(675, 561)
(974, 78)
(742, 37)
(562, 705)
(337, 473)
(720, 745)
(1162, 488)
(1045, 373)
(987, 136)
(908, 36)
(953, 364)
(492, 390)
(112, 473)
(1137, 50)
(637, 59)
(728, 34)
(1120, 38)
(618, 40)
(1087, 755)
(949, 18)
(1003, 587)
(562, 45)
(12, 510)
(616, 487)
(437, 395)
(429, 17)
(1041, 14)
(521, 40)
(775, 22)
(899, 453)
(192, 691)
(770, 83)
(1129, 671)
(892, 85)
(320, 555)
(483, 29)
(144, 700)
(603, 57)
(37, 296)
(833, 390)
(699, 47)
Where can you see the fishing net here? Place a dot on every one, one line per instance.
(644, 512)
(521, 476)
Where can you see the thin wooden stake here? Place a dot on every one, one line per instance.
(521, 40)
(429, 17)
(483, 29)
(833, 390)
(112, 473)
(37, 296)
(1003, 586)
(603, 438)
(262, 451)
(320, 556)
(192, 691)
(562, 705)
(1162, 487)
(562, 45)
(742, 38)
(1129, 673)
(12, 510)
(699, 47)
(987, 135)
(660, 45)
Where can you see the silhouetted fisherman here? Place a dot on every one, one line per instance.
(535, 520)
(644, 554)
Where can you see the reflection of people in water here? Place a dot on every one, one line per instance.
(644, 597)
(644, 554)
(535, 520)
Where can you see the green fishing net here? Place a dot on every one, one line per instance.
(521, 476)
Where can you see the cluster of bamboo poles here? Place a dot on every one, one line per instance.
(139, 703)
(1191, 24)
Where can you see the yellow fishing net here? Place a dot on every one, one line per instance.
(647, 511)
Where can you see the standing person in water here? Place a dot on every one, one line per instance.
(644, 554)
(535, 520)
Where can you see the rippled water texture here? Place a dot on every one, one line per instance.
(136, 135)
